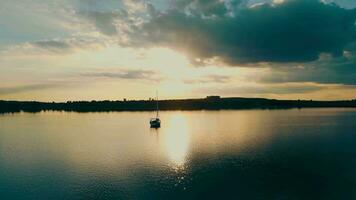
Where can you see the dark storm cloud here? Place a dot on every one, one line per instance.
(294, 31)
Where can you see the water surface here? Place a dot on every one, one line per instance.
(247, 154)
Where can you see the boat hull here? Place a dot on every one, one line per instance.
(155, 123)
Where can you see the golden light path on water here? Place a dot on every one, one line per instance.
(175, 140)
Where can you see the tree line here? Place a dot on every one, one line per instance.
(208, 103)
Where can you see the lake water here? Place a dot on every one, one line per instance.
(245, 154)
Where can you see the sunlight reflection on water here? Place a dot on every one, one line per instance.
(118, 155)
(175, 140)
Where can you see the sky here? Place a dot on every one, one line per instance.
(67, 50)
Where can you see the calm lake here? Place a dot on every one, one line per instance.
(245, 154)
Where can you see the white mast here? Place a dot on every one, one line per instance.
(156, 104)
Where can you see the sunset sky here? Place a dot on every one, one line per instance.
(62, 50)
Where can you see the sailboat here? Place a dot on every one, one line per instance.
(156, 122)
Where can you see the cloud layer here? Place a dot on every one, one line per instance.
(145, 75)
(235, 34)
(25, 88)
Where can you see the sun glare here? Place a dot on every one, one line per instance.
(169, 62)
(176, 140)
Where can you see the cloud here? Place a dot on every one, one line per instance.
(125, 74)
(326, 70)
(104, 21)
(52, 44)
(60, 46)
(25, 88)
(292, 31)
(208, 79)
(112, 18)
(206, 8)
(263, 89)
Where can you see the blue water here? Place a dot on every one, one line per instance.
(247, 154)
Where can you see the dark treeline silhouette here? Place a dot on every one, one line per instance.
(208, 103)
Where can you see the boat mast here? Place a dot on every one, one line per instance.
(156, 104)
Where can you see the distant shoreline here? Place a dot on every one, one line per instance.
(208, 103)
